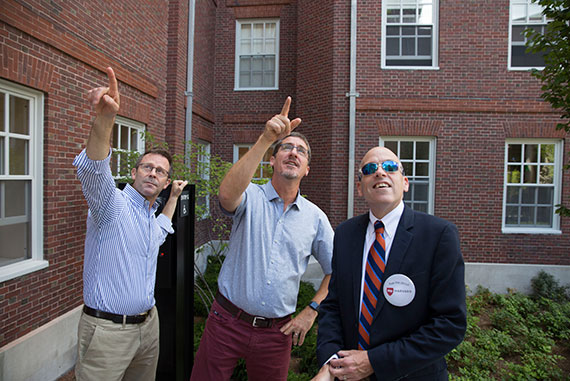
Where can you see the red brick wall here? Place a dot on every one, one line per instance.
(62, 48)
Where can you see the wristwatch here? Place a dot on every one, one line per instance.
(314, 305)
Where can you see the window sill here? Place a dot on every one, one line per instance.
(256, 89)
(21, 268)
(531, 231)
(410, 67)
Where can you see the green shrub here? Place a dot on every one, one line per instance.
(546, 286)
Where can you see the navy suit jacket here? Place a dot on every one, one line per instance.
(407, 342)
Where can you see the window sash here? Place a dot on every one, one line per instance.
(524, 14)
(531, 186)
(409, 34)
(21, 180)
(257, 54)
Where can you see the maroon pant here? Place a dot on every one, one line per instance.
(226, 339)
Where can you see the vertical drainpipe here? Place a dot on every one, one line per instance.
(352, 110)
(189, 80)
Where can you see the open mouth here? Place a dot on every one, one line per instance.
(291, 163)
(380, 185)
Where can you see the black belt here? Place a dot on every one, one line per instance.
(256, 321)
(120, 319)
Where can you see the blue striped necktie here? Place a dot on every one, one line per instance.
(375, 265)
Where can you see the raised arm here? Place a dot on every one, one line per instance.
(240, 174)
(106, 102)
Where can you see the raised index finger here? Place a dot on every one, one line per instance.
(113, 87)
(285, 109)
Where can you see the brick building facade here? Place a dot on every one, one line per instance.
(442, 85)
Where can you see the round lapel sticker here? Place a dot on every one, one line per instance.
(399, 290)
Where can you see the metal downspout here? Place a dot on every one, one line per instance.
(189, 80)
(352, 109)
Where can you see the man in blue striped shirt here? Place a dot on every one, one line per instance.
(118, 329)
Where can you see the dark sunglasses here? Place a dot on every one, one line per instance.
(387, 166)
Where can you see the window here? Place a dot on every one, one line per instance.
(409, 33)
(532, 186)
(264, 171)
(203, 170)
(128, 143)
(417, 156)
(525, 14)
(257, 55)
(21, 190)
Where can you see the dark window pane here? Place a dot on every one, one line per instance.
(408, 31)
(408, 170)
(528, 195)
(545, 196)
(17, 198)
(422, 169)
(514, 174)
(424, 46)
(422, 150)
(16, 243)
(392, 30)
(512, 215)
(515, 153)
(392, 146)
(530, 173)
(420, 207)
(531, 153)
(408, 46)
(513, 195)
(392, 46)
(19, 115)
(19, 157)
(424, 30)
(406, 150)
(421, 192)
(527, 215)
(544, 216)
(518, 35)
(520, 58)
(124, 131)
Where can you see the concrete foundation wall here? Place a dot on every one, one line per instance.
(43, 354)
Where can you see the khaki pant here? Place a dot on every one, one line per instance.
(110, 351)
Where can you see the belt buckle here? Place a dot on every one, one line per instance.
(256, 319)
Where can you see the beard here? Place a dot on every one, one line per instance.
(290, 175)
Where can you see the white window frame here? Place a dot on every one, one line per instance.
(527, 23)
(36, 137)
(435, 36)
(239, 23)
(558, 149)
(261, 164)
(204, 161)
(122, 122)
(431, 162)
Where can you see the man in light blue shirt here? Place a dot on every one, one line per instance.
(118, 329)
(274, 233)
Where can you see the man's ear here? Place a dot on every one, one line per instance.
(133, 173)
(307, 171)
(406, 184)
(168, 181)
(358, 188)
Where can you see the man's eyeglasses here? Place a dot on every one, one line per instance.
(388, 166)
(288, 147)
(147, 168)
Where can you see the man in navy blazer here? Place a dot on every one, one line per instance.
(420, 313)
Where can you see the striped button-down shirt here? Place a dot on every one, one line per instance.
(121, 244)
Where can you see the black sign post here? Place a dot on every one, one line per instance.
(174, 291)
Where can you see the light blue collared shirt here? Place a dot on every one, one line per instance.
(121, 243)
(269, 251)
